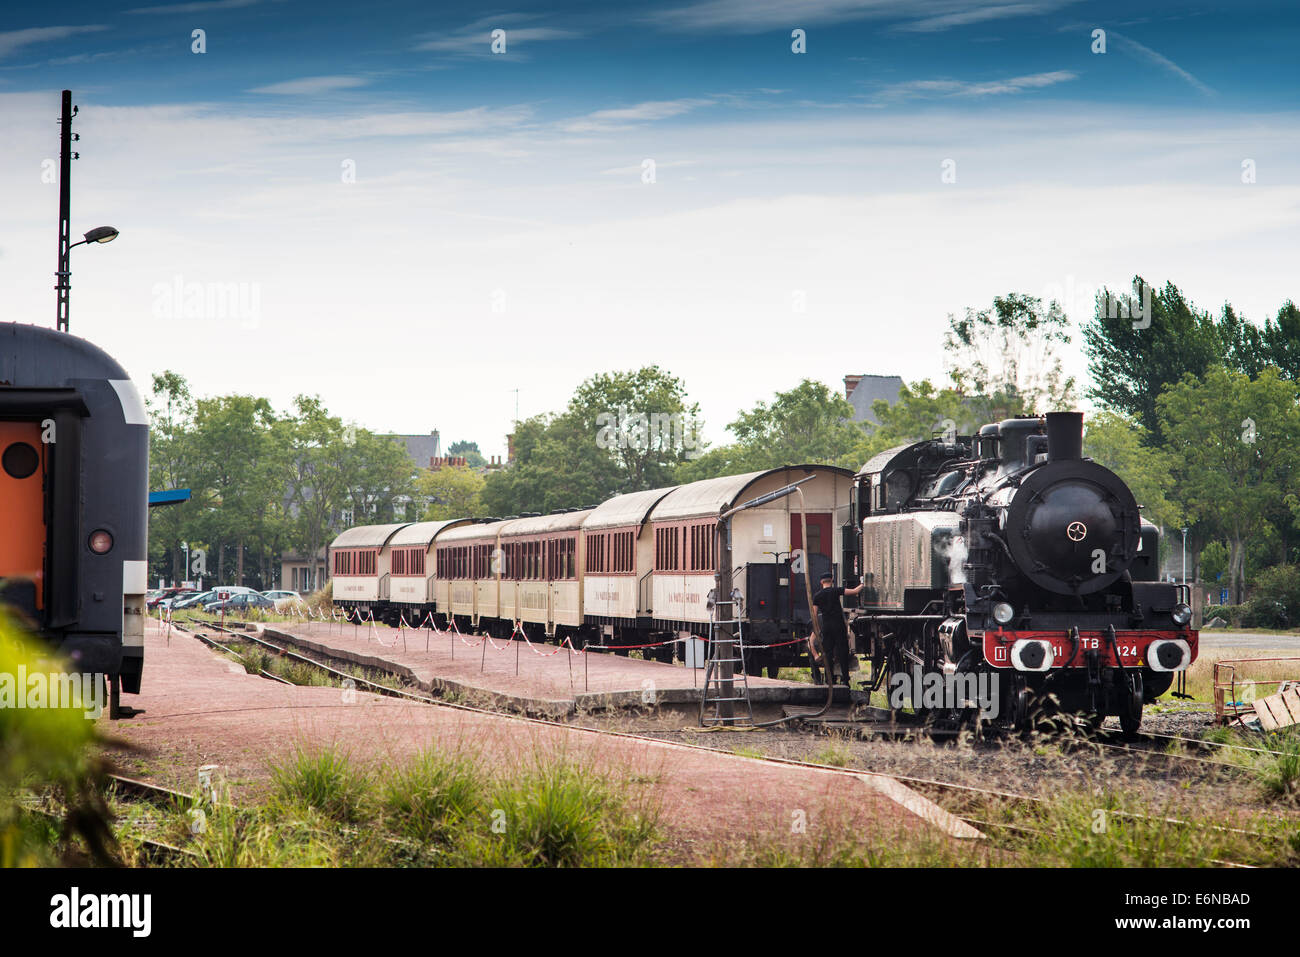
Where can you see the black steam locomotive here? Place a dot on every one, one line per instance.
(1007, 575)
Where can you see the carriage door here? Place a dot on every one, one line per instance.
(817, 558)
(22, 517)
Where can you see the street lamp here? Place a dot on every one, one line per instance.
(1184, 556)
(100, 234)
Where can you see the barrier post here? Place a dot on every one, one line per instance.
(516, 659)
(570, 644)
(483, 661)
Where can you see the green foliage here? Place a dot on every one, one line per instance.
(435, 809)
(1010, 351)
(1130, 366)
(261, 482)
(433, 796)
(452, 492)
(1214, 561)
(562, 815)
(1281, 340)
(621, 432)
(39, 748)
(809, 424)
(920, 413)
(1233, 445)
(326, 781)
(1119, 443)
(1279, 774)
(1275, 601)
(469, 451)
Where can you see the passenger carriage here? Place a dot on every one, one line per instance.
(360, 564)
(413, 591)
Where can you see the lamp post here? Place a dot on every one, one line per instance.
(1184, 556)
(100, 234)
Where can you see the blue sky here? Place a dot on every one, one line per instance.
(498, 231)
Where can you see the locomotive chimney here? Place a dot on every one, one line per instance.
(1064, 436)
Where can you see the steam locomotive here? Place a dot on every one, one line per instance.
(1007, 575)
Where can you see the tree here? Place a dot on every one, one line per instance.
(1233, 446)
(1008, 354)
(232, 445)
(171, 413)
(314, 475)
(377, 476)
(1281, 338)
(920, 412)
(470, 451)
(452, 492)
(621, 432)
(1120, 444)
(810, 424)
(1132, 356)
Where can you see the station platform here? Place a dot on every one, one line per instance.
(201, 709)
(544, 680)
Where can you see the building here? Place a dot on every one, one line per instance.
(421, 448)
(295, 571)
(863, 390)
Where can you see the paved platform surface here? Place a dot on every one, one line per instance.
(535, 679)
(200, 709)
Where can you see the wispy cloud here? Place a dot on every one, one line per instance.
(979, 14)
(603, 120)
(14, 40)
(312, 85)
(475, 39)
(1150, 55)
(754, 16)
(966, 88)
(200, 6)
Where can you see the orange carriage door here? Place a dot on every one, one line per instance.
(22, 507)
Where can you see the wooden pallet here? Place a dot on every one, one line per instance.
(1279, 710)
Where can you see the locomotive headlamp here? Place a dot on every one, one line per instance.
(1003, 612)
(1182, 613)
(100, 542)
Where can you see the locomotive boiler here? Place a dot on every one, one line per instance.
(1007, 574)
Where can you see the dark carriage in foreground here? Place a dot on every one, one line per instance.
(74, 451)
(1006, 561)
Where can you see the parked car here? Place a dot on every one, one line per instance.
(283, 598)
(192, 600)
(167, 596)
(239, 603)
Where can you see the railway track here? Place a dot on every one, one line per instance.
(954, 790)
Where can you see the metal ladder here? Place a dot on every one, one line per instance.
(713, 680)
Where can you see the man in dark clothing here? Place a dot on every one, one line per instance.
(835, 634)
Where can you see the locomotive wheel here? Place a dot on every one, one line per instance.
(1130, 715)
(774, 670)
